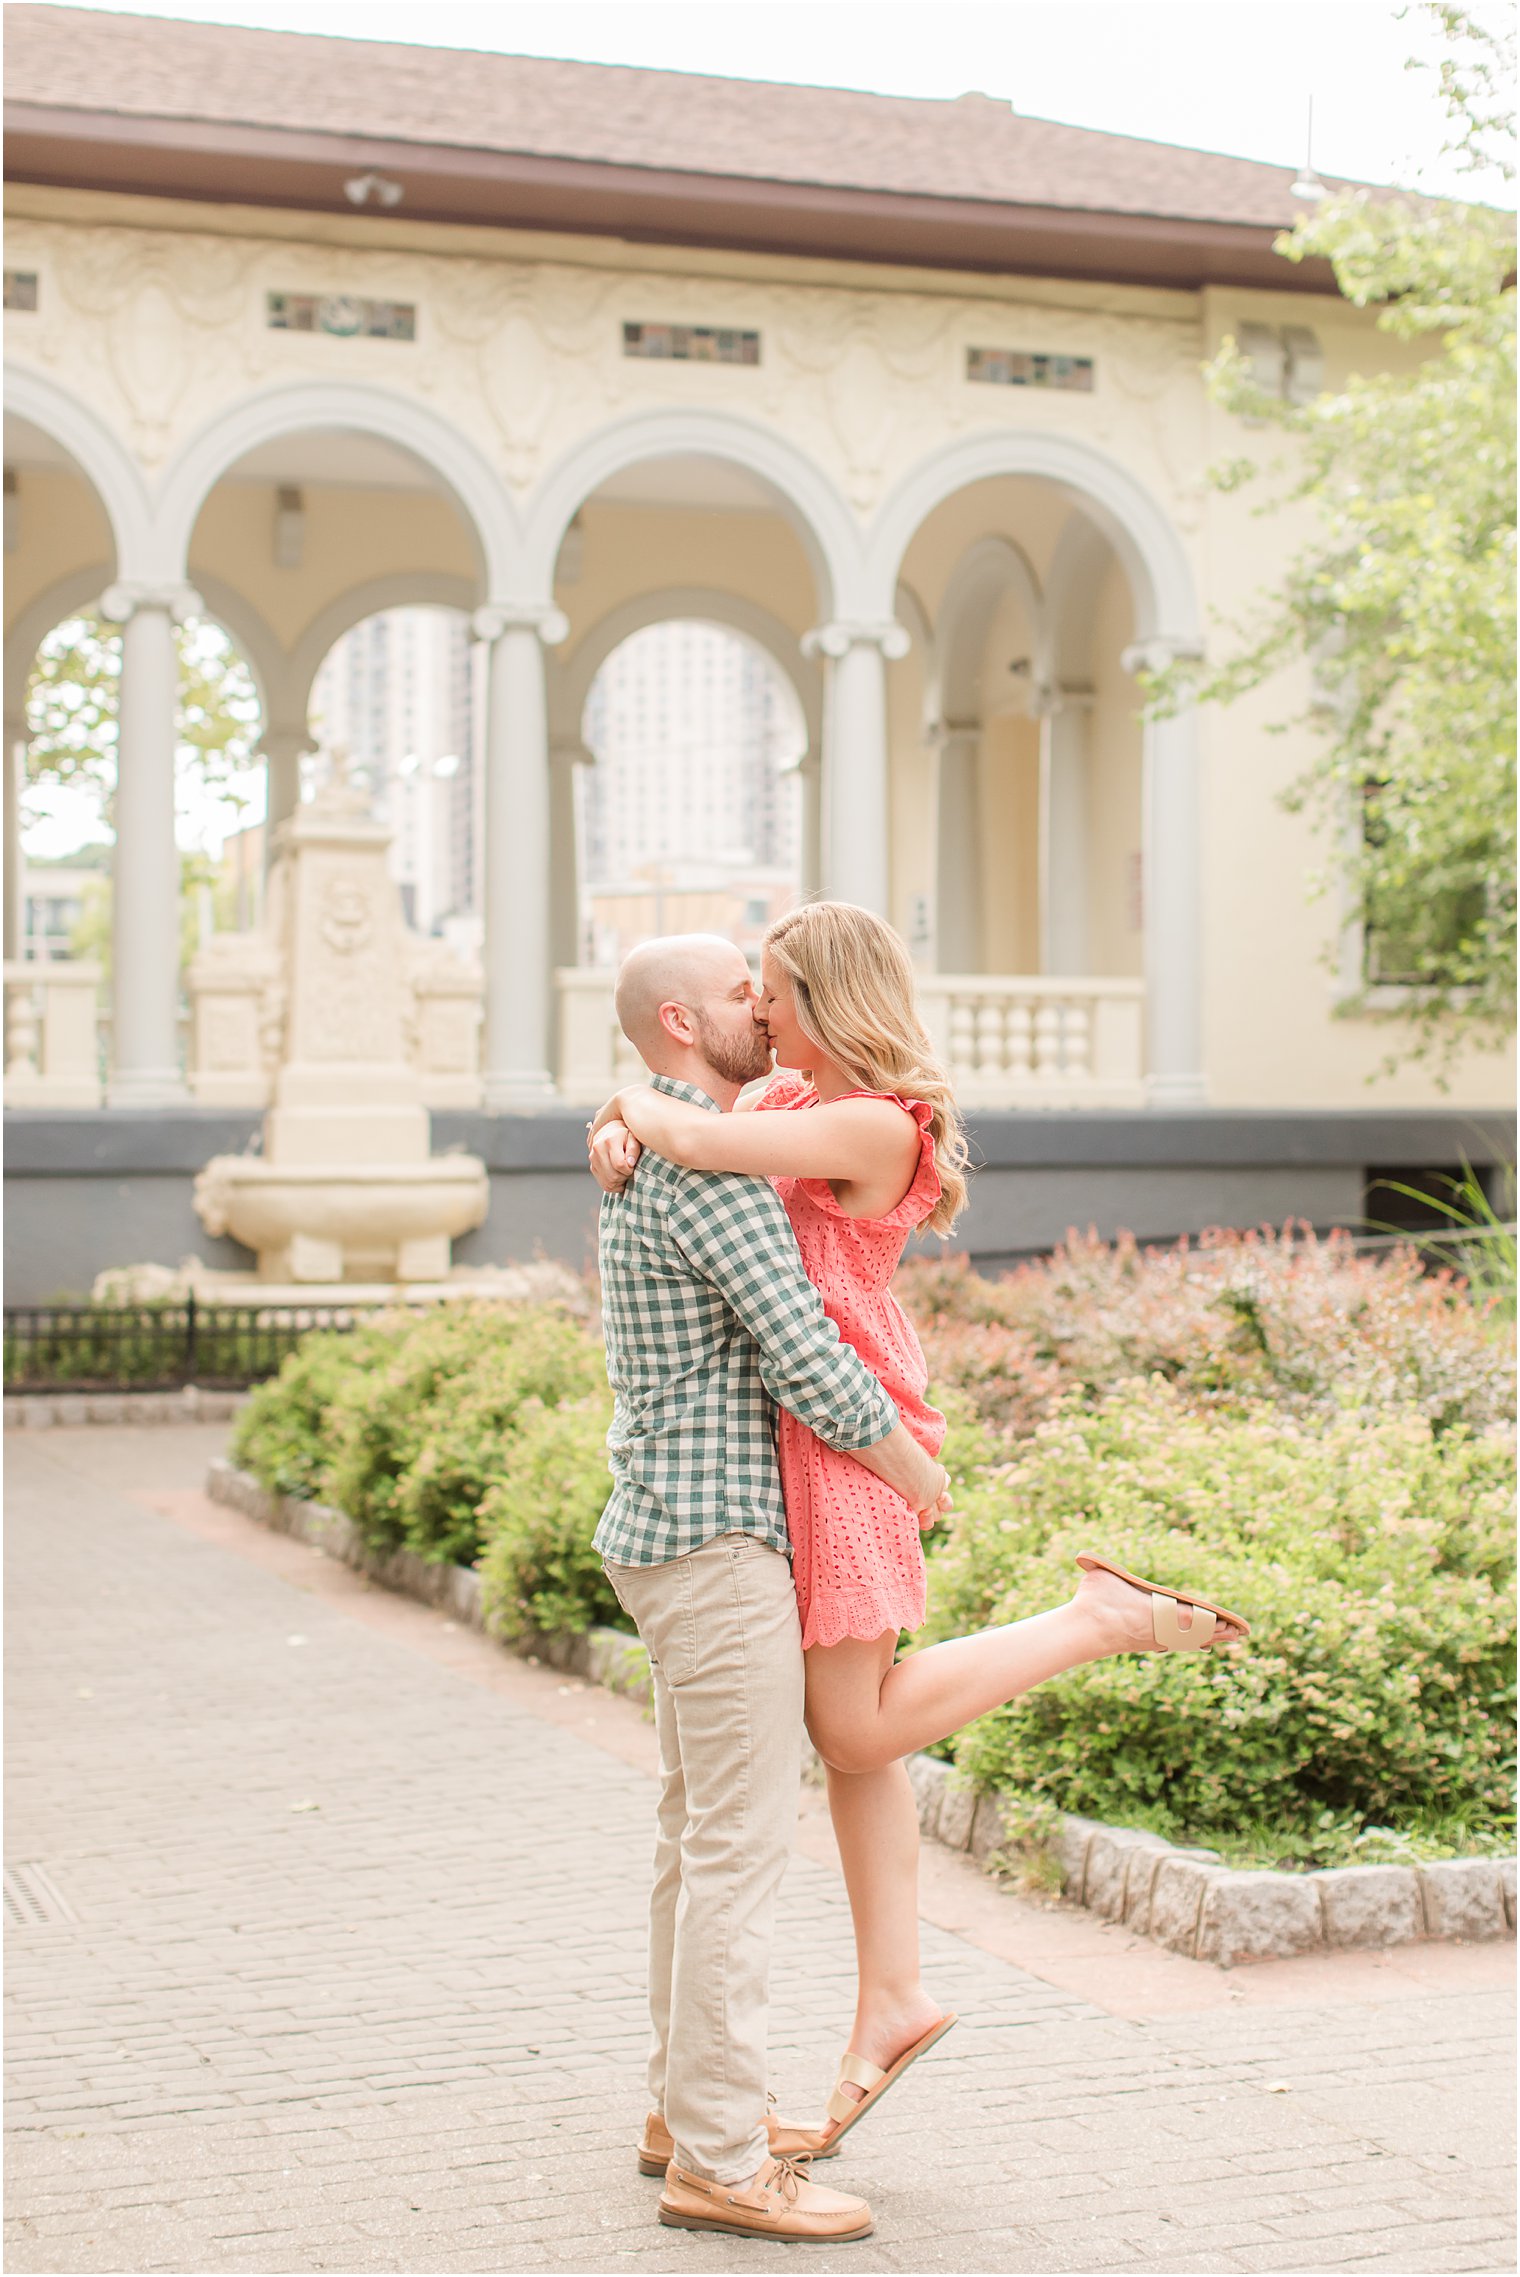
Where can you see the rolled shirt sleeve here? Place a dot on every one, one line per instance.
(735, 1233)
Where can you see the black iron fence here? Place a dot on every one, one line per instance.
(155, 1347)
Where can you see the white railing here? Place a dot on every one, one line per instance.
(1022, 1040)
(52, 1057)
(1010, 1040)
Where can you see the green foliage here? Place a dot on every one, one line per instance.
(1481, 1240)
(72, 700)
(1373, 1559)
(1230, 1320)
(538, 1571)
(1403, 600)
(384, 1420)
(465, 1439)
(283, 1434)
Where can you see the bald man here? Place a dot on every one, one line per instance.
(710, 1318)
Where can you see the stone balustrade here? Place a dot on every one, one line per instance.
(595, 1057)
(1018, 1040)
(1010, 1040)
(52, 1056)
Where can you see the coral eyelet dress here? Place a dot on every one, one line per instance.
(857, 1560)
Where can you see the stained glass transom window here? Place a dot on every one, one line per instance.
(344, 315)
(691, 344)
(1016, 367)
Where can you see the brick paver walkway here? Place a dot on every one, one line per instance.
(351, 1973)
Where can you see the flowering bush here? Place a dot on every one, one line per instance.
(1371, 1555)
(1230, 1320)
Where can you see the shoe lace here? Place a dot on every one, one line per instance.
(790, 2171)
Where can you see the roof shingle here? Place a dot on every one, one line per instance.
(142, 67)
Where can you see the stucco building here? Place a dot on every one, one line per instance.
(906, 393)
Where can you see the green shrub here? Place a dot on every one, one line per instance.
(283, 1435)
(1372, 1557)
(463, 1439)
(538, 1570)
(375, 1429)
(1231, 1320)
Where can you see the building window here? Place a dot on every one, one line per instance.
(690, 344)
(342, 315)
(21, 288)
(1014, 367)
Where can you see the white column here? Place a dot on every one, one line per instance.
(1065, 713)
(284, 747)
(810, 847)
(516, 868)
(145, 867)
(1171, 887)
(854, 853)
(958, 860)
(566, 753)
(14, 875)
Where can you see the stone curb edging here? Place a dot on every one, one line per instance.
(44, 1411)
(1187, 1900)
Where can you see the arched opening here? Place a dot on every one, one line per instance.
(397, 695)
(1063, 825)
(690, 815)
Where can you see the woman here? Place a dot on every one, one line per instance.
(859, 1133)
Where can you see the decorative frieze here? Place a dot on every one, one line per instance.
(21, 289)
(344, 316)
(691, 344)
(1018, 367)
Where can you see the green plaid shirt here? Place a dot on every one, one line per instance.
(707, 1310)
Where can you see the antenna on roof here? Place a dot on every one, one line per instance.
(1307, 183)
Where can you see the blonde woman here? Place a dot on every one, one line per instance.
(859, 1133)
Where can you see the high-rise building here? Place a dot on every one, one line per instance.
(397, 694)
(691, 816)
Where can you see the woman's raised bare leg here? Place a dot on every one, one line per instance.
(863, 1714)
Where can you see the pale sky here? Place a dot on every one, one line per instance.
(1228, 75)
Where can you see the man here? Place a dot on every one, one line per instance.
(707, 1311)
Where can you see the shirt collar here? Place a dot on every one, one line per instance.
(690, 1092)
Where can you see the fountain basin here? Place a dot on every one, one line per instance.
(344, 1222)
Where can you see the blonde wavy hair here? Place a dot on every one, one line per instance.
(852, 982)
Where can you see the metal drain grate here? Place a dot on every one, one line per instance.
(32, 1901)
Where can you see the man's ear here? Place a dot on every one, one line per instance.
(676, 1022)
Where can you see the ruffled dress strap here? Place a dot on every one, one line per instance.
(922, 1196)
(786, 1088)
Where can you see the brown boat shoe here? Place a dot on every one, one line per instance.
(779, 2203)
(658, 2147)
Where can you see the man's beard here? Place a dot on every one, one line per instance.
(738, 1059)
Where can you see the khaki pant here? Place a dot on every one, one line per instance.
(725, 1652)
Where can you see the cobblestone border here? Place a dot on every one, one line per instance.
(45, 1411)
(1187, 1900)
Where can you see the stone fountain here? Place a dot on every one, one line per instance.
(346, 1189)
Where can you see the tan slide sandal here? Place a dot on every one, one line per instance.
(858, 2072)
(1168, 1631)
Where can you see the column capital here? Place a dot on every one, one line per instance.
(122, 600)
(493, 618)
(282, 741)
(944, 732)
(1049, 698)
(570, 751)
(844, 633)
(1159, 651)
